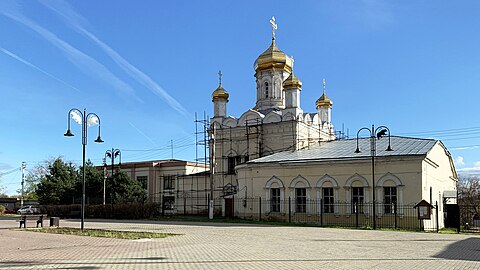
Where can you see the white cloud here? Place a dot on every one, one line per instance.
(459, 161)
(93, 120)
(76, 117)
(76, 21)
(20, 59)
(471, 171)
(84, 62)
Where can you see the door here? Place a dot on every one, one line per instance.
(229, 207)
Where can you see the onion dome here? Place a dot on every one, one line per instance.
(292, 82)
(273, 58)
(220, 94)
(324, 101)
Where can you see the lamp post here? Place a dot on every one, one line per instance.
(375, 134)
(112, 154)
(85, 120)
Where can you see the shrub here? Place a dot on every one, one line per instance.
(2, 209)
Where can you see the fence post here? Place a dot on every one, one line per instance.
(184, 205)
(395, 212)
(289, 210)
(356, 214)
(436, 214)
(321, 211)
(259, 208)
(233, 206)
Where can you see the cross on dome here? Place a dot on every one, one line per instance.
(274, 26)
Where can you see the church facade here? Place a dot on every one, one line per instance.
(280, 153)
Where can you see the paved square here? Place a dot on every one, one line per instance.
(235, 246)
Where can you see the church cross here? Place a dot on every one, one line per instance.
(324, 82)
(220, 77)
(274, 26)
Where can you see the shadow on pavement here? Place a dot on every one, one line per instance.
(464, 250)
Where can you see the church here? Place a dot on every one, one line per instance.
(294, 162)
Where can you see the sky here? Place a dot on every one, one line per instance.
(146, 68)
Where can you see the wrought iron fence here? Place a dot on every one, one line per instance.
(316, 212)
(469, 218)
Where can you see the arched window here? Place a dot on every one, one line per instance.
(327, 190)
(300, 190)
(275, 194)
(390, 192)
(266, 89)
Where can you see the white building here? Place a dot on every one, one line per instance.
(277, 151)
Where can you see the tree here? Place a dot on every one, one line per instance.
(93, 184)
(124, 189)
(58, 185)
(32, 179)
(469, 190)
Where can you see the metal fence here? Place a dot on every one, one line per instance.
(469, 218)
(316, 212)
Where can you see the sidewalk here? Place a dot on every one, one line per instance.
(235, 246)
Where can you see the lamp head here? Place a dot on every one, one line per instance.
(99, 140)
(68, 133)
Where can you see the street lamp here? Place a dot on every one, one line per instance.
(111, 154)
(375, 134)
(85, 120)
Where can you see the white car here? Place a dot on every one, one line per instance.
(29, 209)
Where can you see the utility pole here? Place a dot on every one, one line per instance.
(24, 165)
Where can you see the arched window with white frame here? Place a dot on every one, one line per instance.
(275, 195)
(390, 192)
(327, 194)
(357, 194)
(300, 191)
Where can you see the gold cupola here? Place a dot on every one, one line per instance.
(324, 101)
(220, 93)
(273, 58)
(292, 82)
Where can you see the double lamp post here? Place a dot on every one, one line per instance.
(375, 134)
(112, 154)
(85, 120)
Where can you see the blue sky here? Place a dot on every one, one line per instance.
(146, 67)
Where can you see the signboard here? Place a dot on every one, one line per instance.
(424, 209)
(229, 189)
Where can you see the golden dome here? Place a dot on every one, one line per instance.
(273, 58)
(292, 82)
(220, 93)
(324, 101)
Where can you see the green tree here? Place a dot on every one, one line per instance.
(124, 189)
(93, 184)
(58, 185)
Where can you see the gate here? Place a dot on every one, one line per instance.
(229, 207)
(452, 219)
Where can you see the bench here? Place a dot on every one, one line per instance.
(23, 220)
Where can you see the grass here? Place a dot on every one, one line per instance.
(101, 233)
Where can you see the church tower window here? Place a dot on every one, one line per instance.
(266, 89)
